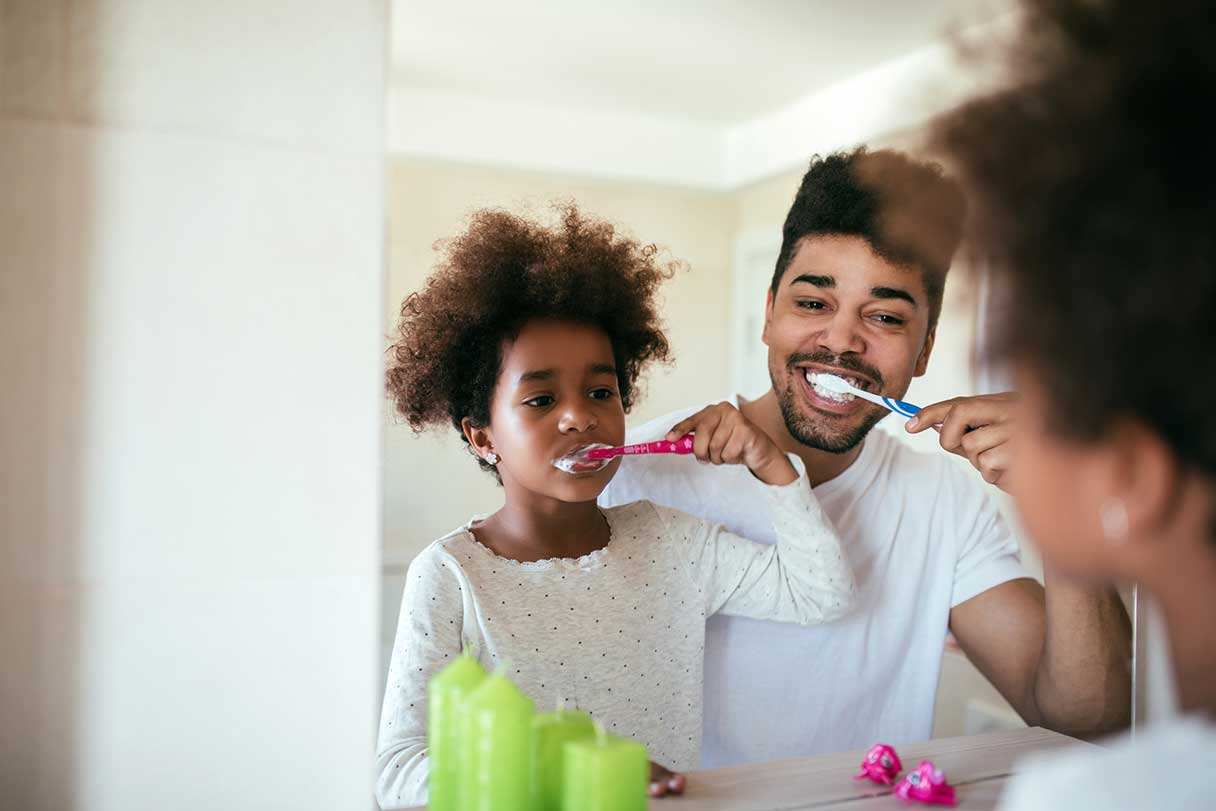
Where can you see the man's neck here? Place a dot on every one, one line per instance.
(821, 466)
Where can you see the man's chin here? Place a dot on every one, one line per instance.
(827, 432)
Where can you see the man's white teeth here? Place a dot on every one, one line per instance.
(828, 394)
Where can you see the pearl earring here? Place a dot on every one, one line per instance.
(1113, 515)
(492, 458)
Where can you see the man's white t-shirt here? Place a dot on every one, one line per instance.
(922, 535)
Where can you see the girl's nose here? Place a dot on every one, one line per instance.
(577, 419)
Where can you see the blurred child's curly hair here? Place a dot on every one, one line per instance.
(503, 271)
(1094, 193)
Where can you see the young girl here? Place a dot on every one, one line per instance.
(530, 341)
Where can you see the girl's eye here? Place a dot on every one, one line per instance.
(602, 394)
(540, 402)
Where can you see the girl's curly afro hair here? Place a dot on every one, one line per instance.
(503, 271)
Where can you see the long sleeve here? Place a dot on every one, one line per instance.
(429, 631)
(804, 578)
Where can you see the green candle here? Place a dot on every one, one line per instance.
(497, 746)
(550, 733)
(447, 689)
(605, 773)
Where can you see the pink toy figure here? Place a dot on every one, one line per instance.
(926, 784)
(880, 765)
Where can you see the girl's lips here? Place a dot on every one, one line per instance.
(576, 461)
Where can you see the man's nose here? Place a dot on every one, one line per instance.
(842, 334)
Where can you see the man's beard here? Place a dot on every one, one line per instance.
(805, 428)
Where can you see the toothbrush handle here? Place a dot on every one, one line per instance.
(681, 446)
(900, 407)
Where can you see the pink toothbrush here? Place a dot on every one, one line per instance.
(682, 445)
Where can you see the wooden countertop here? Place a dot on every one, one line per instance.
(977, 766)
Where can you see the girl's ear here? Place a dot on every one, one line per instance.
(1149, 478)
(479, 438)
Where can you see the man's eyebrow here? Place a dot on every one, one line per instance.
(892, 292)
(536, 374)
(818, 281)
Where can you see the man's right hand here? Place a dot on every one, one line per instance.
(975, 428)
(723, 436)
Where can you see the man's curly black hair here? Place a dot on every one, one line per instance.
(1094, 184)
(908, 211)
(503, 271)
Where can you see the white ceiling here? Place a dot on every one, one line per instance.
(713, 62)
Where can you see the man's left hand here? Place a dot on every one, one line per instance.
(976, 428)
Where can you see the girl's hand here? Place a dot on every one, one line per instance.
(663, 781)
(726, 437)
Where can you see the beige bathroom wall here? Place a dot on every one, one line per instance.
(431, 484)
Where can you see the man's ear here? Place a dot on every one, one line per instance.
(922, 362)
(768, 316)
(479, 439)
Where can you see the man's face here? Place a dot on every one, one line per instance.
(843, 309)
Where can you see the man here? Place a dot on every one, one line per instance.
(856, 292)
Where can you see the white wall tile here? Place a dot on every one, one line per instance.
(293, 72)
(191, 307)
(219, 719)
(234, 344)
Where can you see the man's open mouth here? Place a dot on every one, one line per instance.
(823, 399)
(812, 376)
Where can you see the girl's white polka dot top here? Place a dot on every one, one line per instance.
(618, 633)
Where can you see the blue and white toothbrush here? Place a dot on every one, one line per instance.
(842, 386)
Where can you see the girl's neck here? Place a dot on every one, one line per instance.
(1184, 589)
(531, 527)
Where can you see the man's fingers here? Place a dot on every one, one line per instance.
(718, 442)
(732, 453)
(686, 425)
(703, 431)
(981, 439)
(931, 415)
(993, 463)
(985, 409)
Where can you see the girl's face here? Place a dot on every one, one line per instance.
(557, 392)
(1060, 486)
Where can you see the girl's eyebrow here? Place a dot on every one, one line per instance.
(536, 374)
(549, 374)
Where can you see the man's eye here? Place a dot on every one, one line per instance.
(540, 402)
(810, 304)
(889, 320)
(602, 394)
